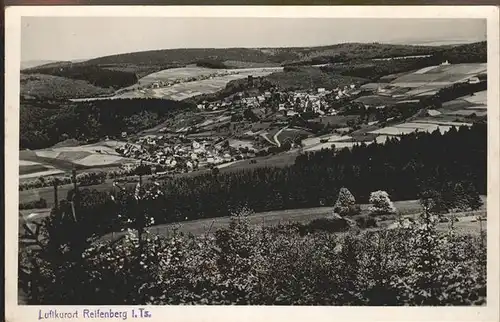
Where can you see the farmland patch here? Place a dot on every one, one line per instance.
(376, 100)
(31, 169)
(478, 98)
(99, 160)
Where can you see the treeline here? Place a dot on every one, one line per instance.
(362, 51)
(467, 53)
(455, 91)
(211, 63)
(83, 179)
(42, 127)
(404, 168)
(95, 75)
(374, 70)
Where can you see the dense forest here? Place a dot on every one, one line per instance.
(211, 63)
(467, 53)
(277, 55)
(404, 168)
(374, 70)
(95, 75)
(42, 126)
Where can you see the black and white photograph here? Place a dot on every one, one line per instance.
(260, 161)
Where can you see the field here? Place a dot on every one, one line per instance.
(429, 124)
(375, 100)
(439, 76)
(479, 98)
(337, 120)
(340, 142)
(292, 134)
(200, 227)
(59, 159)
(241, 144)
(188, 89)
(407, 128)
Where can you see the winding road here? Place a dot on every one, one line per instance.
(275, 137)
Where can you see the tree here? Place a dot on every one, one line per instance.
(381, 203)
(433, 202)
(346, 204)
(472, 200)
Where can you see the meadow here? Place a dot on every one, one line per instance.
(57, 160)
(440, 76)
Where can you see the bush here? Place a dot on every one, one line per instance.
(346, 204)
(330, 225)
(366, 222)
(381, 204)
(41, 203)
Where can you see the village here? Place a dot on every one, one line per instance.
(175, 151)
(288, 102)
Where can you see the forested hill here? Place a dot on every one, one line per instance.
(43, 125)
(277, 55)
(122, 70)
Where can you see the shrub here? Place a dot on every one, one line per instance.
(366, 222)
(326, 224)
(381, 204)
(346, 204)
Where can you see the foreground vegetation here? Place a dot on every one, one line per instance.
(245, 265)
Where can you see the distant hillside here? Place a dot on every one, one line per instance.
(48, 87)
(468, 53)
(359, 51)
(36, 63)
(93, 74)
(264, 55)
(43, 124)
(123, 70)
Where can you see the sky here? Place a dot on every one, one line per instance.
(74, 38)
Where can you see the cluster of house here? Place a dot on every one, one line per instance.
(317, 102)
(289, 102)
(180, 154)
